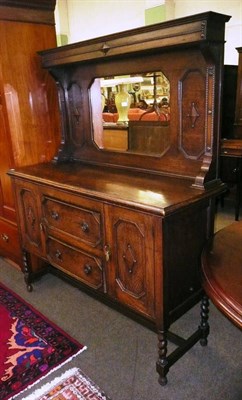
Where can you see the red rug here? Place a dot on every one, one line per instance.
(30, 345)
(73, 384)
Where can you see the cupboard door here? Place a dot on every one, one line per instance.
(29, 218)
(130, 258)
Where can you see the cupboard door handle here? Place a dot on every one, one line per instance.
(107, 252)
(84, 227)
(5, 237)
(58, 255)
(54, 215)
(87, 269)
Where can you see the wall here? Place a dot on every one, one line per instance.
(233, 32)
(79, 20)
(92, 18)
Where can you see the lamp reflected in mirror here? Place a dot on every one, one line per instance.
(122, 98)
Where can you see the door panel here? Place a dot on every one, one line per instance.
(130, 269)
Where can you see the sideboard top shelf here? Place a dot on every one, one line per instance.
(194, 29)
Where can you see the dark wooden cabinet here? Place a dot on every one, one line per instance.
(129, 225)
(29, 117)
(231, 145)
(229, 101)
(238, 108)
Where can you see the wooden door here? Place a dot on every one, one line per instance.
(29, 118)
(130, 258)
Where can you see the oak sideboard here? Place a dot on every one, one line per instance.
(129, 224)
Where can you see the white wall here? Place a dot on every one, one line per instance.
(92, 18)
(233, 31)
(85, 19)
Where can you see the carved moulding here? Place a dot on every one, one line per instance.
(196, 109)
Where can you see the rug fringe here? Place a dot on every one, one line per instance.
(48, 374)
(39, 392)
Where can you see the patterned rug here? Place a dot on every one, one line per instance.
(73, 384)
(30, 345)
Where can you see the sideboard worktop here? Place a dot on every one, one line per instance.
(127, 188)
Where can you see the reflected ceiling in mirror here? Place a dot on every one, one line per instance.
(131, 113)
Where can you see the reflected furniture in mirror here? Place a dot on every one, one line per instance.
(129, 224)
(132, 106)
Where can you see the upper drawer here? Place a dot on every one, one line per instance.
(80, 222)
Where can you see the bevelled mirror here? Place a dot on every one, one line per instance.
(131, 113)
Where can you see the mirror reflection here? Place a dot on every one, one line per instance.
(131, 113)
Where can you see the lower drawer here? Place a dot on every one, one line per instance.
(9, 241)
(83, 266)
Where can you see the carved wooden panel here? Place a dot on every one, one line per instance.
(192, 91)
(75, 110)
(72, 115)
(32, 229)
(130, 269)
(131, 258)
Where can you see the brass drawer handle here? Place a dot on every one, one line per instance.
(58, 255)
(87, 269)
(84, 227)
(54, 215)
(5, 237)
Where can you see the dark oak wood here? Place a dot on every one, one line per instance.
(130, 227)
(29, 116)
(222, 271)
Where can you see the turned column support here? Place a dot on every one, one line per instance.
(204, 325)
(162, 365)
(27, 272)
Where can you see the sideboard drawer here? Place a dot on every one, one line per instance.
(82, 223)
(81, 265)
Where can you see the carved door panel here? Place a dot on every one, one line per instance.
(130, 258)
(29, 218)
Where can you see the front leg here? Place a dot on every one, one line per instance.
(162, 365)
(27, 271)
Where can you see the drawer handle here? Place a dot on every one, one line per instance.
(87, 269)
(84, 227)
(5, 237)
(54, 215)
(58, 255)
